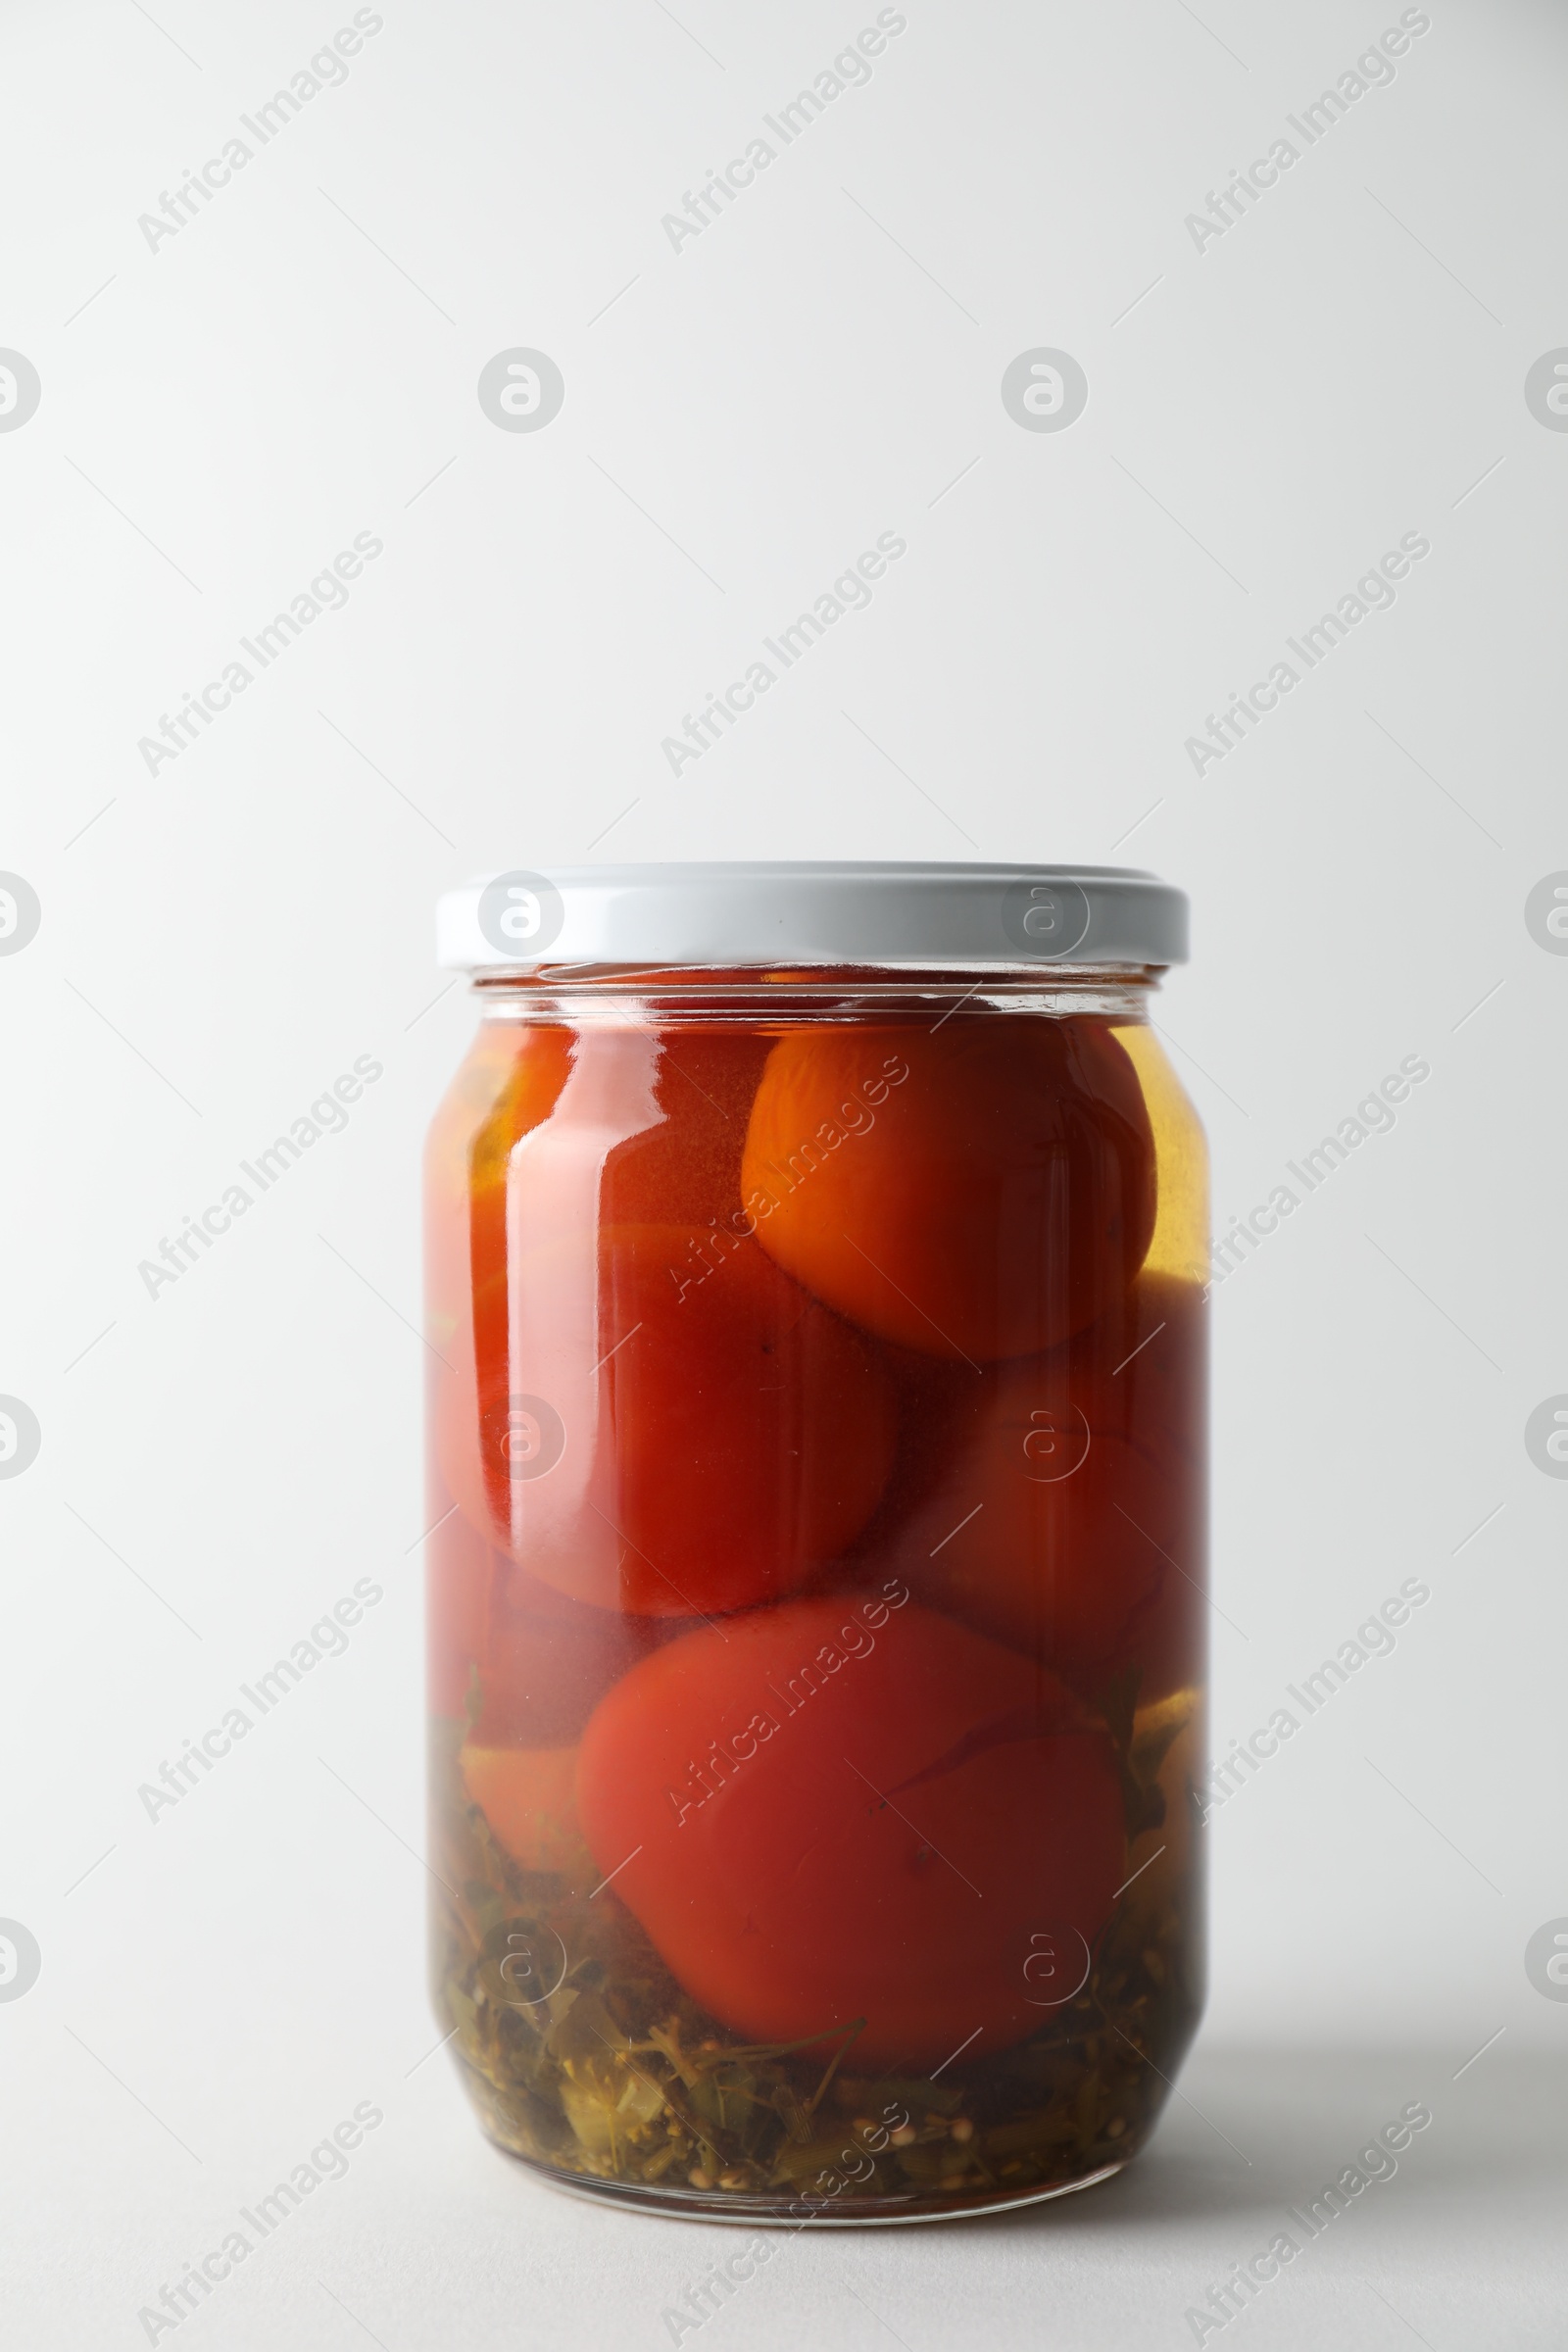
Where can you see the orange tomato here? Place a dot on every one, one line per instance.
(529, 1796)
(978, 1190)
(841, 1809)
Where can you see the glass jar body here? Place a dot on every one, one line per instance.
(816, 1456)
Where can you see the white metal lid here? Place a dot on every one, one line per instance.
(936, 917)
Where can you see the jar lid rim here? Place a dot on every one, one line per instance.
(767, 912)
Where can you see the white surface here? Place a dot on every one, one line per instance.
(432, 2239)
(223, 938)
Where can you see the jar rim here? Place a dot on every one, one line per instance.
(766, 914)
(776, 1000)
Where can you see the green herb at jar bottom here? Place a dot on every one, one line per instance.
(584, 2055)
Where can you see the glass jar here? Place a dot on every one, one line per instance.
(816, 1316)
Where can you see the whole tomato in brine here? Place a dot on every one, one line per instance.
(854, 1809)
(672, 1443)
(643, 1410)
(981, 1189)
(1066, 1512)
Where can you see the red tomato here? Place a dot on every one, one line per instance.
(616, 1127)
(1066, 1516)
(983, 1189)
(681, 1164)
(676, 1442)
(846, 1808)
(650, 1132)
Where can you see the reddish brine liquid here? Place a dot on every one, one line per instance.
(816, 1616)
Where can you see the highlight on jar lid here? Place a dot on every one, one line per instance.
(933, 916)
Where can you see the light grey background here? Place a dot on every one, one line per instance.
(221, 938)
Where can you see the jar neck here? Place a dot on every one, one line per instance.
(1119, 993)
